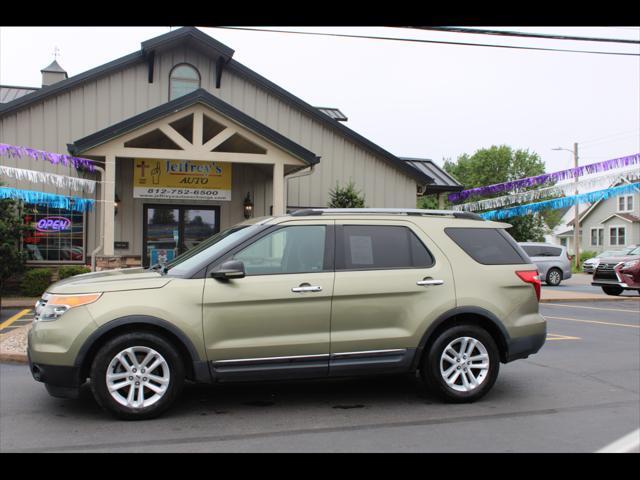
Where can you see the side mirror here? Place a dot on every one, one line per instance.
(229, 269)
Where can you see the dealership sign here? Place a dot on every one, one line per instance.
(181, 180)
(53, 224)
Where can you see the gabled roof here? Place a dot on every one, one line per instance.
(624, 216)
(193, 37)
(595, 204)
(180, 103)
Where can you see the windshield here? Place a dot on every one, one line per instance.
(635, 252)
(209, 248)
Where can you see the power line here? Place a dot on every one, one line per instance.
(416, 40)
(480, 31)
(624, 133)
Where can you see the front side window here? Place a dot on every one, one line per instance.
(296, 249)
(372, 247)
(55, 234)
(182, 80)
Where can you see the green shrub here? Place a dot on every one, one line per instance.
(71, 270)
(587, 255)
(35, 282)
(346, 197)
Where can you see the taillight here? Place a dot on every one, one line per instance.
(531, 276)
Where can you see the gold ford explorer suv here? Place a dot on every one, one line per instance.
(314, 294)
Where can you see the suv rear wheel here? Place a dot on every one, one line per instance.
(462, 364)
(137, 375)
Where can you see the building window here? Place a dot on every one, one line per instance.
(55, 235)
(625, 203)
(617, 236)
(597, 237)
(183, 79)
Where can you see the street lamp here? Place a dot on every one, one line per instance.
(576, 222)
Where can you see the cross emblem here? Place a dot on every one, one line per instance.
(142, 165)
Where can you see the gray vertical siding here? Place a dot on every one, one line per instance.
(96, 104)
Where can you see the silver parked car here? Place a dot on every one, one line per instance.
(552, 261)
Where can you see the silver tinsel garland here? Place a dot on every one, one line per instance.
(60, 181)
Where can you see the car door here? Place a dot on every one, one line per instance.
(274, 322)
(391, 282)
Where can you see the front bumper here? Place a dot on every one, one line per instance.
(60, 381)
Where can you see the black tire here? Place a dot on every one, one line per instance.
(613, 290)
(430, 367)
(108, 352)
(554, 277)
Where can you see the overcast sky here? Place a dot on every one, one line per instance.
(413, 99)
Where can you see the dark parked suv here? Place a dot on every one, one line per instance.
(616, 274)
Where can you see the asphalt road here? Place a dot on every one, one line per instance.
(578, 394)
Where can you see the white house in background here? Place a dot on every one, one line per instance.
(610, 224)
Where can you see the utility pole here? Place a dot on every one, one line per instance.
(576, 220)
(576, 227)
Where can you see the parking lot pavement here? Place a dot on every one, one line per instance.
(12, 318)
(580, 393)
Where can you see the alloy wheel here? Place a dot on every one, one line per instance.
(464, 364)
(138, 377)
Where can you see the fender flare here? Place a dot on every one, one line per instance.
(454, 312)
(103, 330)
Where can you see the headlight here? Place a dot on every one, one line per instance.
(52, 307)
(630, 264)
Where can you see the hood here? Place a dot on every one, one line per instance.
(620, 258)
(110, 281)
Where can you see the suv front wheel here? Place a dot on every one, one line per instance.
(461, 365)
(137, 376)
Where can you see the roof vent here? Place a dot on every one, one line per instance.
(334, 113)
(54, 73)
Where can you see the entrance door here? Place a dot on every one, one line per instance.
(170, 230)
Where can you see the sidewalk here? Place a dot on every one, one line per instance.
(13, 345)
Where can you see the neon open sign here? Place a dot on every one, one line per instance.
(53, 224)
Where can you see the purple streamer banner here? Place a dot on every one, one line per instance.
(53, 158)
(546, 177)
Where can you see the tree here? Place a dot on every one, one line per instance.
(11, 228)
(500, 164)
(346, 197)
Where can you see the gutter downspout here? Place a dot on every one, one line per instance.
(101, 223)
(289, 177)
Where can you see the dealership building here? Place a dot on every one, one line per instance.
(184, 141)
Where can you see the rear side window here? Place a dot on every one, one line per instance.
(374, 247)
(488, 246)
(551, 252)
(532, 250)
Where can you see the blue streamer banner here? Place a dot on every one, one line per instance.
(52, 200)
(560, 202)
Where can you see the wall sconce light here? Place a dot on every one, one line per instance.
(248, 206)
(115, 204)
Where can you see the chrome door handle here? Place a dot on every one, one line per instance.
(308, 288)
(428, 283)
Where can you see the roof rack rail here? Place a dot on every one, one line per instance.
(385, 211)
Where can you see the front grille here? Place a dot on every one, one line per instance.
(605, 271)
